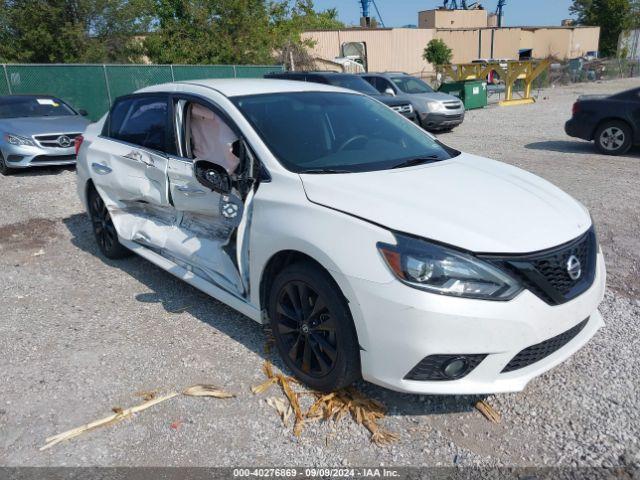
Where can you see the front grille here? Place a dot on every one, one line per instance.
(53, 140)
(546, 274)
(535, 353)
(404, 109)
(452, 105)
(53, 158)
(431, 368)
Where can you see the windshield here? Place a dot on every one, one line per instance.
(33, 106)
(411, 85)
(328, 132)
(353, 83)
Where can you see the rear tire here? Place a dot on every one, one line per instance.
(103, 228)
(613, 137)
(4, 169)
(313, 328)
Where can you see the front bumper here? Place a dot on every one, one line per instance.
(19, 156)
(440, 121)
(403, 325)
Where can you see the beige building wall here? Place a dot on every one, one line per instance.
(564, 43)
(452, 19)
(584, 40)
(401, 49)
(463, 43)
(398, 49)
(471, 44)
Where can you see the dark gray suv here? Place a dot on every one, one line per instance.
(352, 82)
(435, 110)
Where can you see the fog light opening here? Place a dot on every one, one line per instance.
(456, 367)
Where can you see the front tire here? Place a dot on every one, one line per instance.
(4, 169)
(103, 228)
(313, 328)
(613, 138)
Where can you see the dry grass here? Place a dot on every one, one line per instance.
(329, 407)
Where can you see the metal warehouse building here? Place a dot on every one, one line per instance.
(471, 34)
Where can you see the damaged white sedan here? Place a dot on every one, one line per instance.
(373, 249)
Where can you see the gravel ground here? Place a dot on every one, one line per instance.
(80, 335)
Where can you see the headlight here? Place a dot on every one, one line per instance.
(19, 140)
(434, 106)
(442, 270)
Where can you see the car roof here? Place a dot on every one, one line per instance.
(25, 95)
(385, 74)
(235, 87)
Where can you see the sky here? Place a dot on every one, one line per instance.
(396, 13)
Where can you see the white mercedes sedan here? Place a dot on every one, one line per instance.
(373, 249)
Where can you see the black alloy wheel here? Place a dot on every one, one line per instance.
(313, 328)
(307, 329)
(103, 228)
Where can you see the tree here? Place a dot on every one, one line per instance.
(612, 16)
(47, 31)
(437, 53)
(233, 31)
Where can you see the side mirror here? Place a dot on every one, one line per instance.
(212, 176)
(83, 112)
(389, 91)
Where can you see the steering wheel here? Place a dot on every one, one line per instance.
(351, 140)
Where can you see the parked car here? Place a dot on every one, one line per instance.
(436, 110)
(37, 130)
(371, 248)
(352, 82)
(612, 122)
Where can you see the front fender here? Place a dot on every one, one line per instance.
(284, 219)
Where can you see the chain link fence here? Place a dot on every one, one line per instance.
(94, 87)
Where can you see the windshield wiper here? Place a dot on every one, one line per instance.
(417, 161)
(324, 170)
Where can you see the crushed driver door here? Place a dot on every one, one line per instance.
(129, 168)
(211, 235)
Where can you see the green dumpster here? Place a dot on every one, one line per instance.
(473, 93)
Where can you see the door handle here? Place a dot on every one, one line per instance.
(190, 191)
(100, 169)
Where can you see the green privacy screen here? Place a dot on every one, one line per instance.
(94, 87)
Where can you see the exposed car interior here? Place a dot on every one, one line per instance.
(209, 138)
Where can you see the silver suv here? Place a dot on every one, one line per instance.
(435, 110)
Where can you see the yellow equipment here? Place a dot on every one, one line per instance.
(527, 71)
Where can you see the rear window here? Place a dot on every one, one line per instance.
(28, 106)
(352, 83)
(140, 121)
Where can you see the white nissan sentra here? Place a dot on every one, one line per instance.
(372, 249)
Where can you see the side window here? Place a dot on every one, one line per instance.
(375, 81)
(317, 79)
(384, 84)
(140, 121)
(206, 136)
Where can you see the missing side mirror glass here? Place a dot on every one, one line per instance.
(212, 176)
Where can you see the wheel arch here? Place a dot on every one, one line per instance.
(285, 257)
(612, 119)
(280, 260)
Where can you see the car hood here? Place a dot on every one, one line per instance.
(390, 101)
(470, 202)
(435, 96)
(43, 125)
